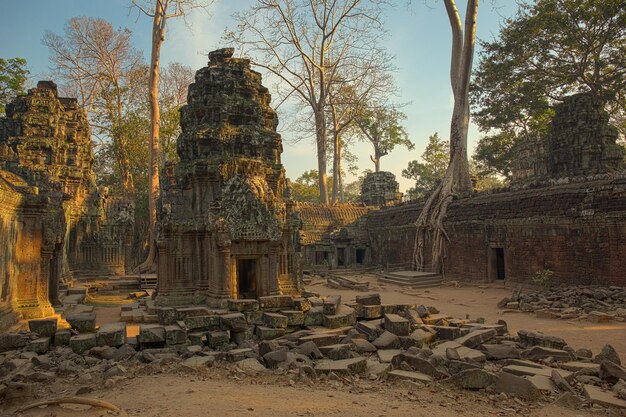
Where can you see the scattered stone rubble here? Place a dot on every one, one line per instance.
(316, 338)
(596, 304)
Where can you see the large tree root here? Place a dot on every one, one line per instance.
(77, 400)
(430, 231)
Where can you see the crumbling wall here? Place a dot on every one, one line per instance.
(380, 189)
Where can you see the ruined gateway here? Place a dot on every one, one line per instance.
(229, 229)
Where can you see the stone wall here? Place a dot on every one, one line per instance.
(380, 189)
(576, 230)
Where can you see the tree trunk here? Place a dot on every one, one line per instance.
(336, 166)
(339, 174)
(320, 133)
(430, 233)
(158, 36)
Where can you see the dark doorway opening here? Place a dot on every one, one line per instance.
(341, 257)
(360, 256)
(246, 278)
(499, 252)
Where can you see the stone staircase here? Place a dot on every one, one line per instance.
(414, 279)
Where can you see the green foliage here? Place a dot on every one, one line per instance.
(382, 127)
(550, 49)
(305, 188)
(543, 278)
(352, 191)
(13, 75)
(428, 174)
(494, 154)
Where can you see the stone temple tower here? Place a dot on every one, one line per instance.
(227, 229)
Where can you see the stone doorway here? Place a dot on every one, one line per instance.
(341, 257)
(360, 256)
(247, 273)
(497, 266)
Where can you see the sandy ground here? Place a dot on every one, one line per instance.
(224, 391)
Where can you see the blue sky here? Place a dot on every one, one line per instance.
(419, 38)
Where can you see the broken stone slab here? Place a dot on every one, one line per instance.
(377, 369)
(283, 359)
(610, 371)
(464, 353)
(576, 366)
(607, 353)
(302, 304)
(477, 337)
(82, 342)
(294, 317)
(236, 355)
(314, 317)
(447, 332)
(83, 322)
(409, 376)
(275, 320)
(526, 370)
(269, 333)
(175, 335)
(436, 319)
(242, 305)
(234, 321)
(542, 383)
(500, 351)
(368, 299)
(372, 329)
(111, 334)
(517, 386)
(343, 351)
(151, 334)
(418, 364)
(529, 339)
(473, 379)
(387, 355)
(308, 349)
(537, 353)
(320, 339)
(423, 336)
(344, 366)
(595, 395)
(276, 302)
(561, 382)
(331, 304)
(397, 325)
(40, 345)
(362, 346)
(251, 366)
(199, 362)
(202, 322)
(124, 352)
(62, 337)
(43, 327)
(344, 316)
(387, 340)
(569, 400)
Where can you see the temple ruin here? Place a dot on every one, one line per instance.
(51, 212)
(228, 224)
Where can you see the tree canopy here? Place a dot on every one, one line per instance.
(428, 173)
(550, 49)
(13, 76)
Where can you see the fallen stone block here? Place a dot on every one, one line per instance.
(43, 327)
(422, 336)
(436, 319)
(529, 339)
(320, 339)
(576, 366)
(243, 305)
(527, 370)
(387, 355)
(387, 340)
(294, 317)
(418, 364)
(595, 395)
(175, 335)
(234, 322)
(62, 337)
(372, 329)
(607, 353)
(274, 320)
(331, 304)
(314, 317)
(610, 371)
(517, 386)
(111, 334)
(464, 353)
(599, 317)
(126, 316)
(167, 315)
(537, 353)
(447, 332)
(269, 333)
(251, 366)
(151, 334)
(236, 355)
(362, 346)
(409, 376)
(500, 351)
(201, 322)
(183, 312)
(217, 338)
(368, 299)
(83, 322)
(345, 366)
(276, 302)
(473, 379)
(83, 342)
(308, 349)
(199, 362)
(254, 317)
(569, 400)
(397, 325)
(370, 312)
(196, 338)
(40, 345)
(477, 337)
(302, 304)
(344, 316)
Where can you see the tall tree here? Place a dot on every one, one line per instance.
(381, 126)
(311, 45)
(13, 76)
(550, 49)
(428, 173)
(97, 64)
(456, 181)
(160, 11)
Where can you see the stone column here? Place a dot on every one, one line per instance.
(273, 288)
